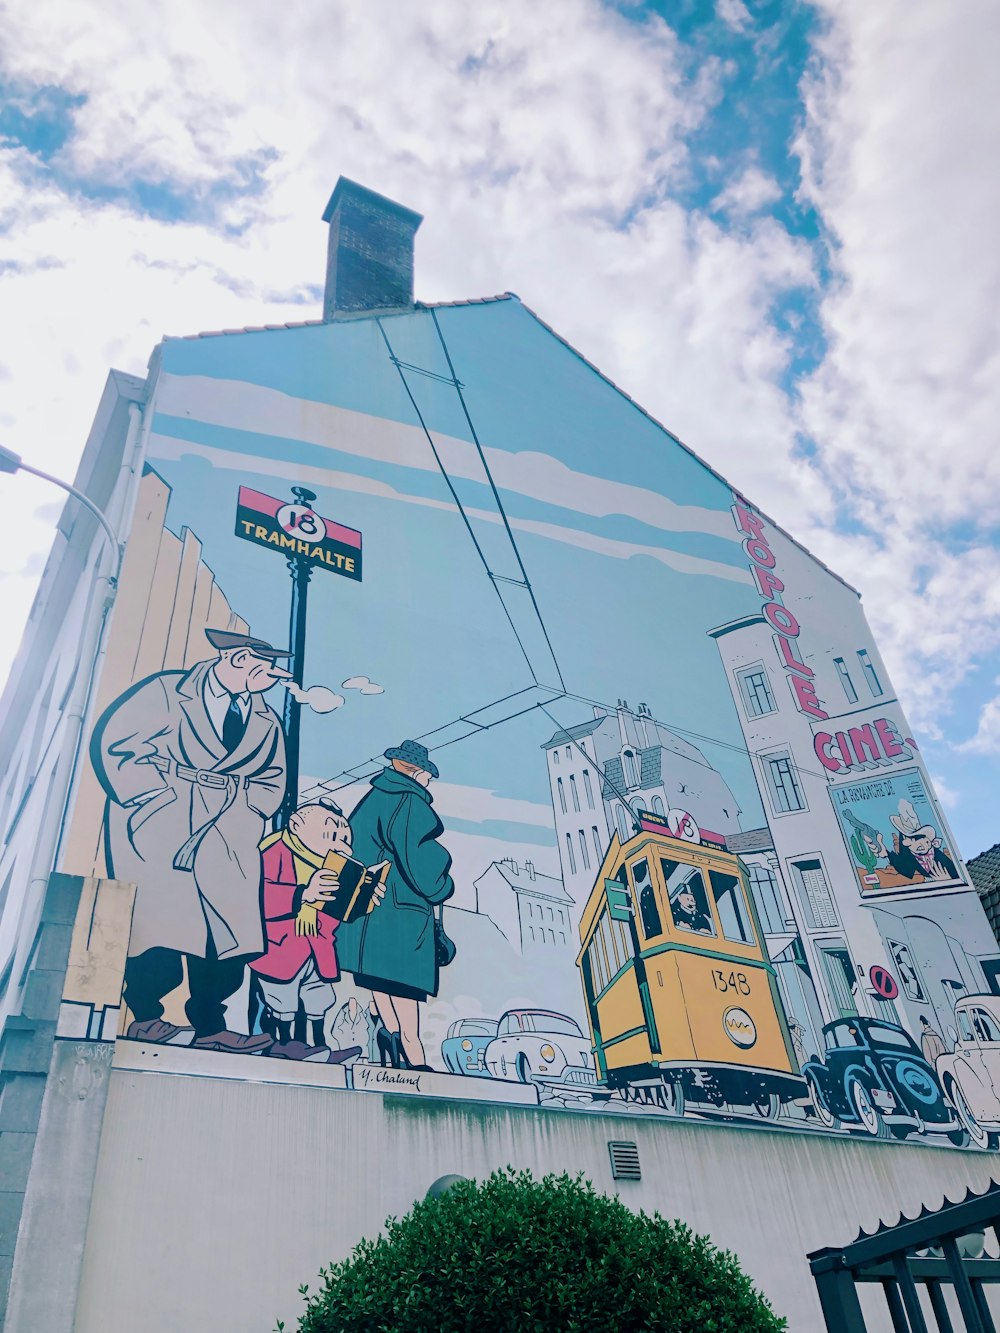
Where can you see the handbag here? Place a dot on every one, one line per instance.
(444, 945)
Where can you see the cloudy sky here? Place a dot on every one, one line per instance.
(768, 220)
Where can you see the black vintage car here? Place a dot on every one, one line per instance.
(874, 1078)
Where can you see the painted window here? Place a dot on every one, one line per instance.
(555, 756)
(658, 806)
(569, 752)
(597, 842)
(584, 854)
(562, 794)
(986, 1027)
(785, 789)
(845, 680)
(843, 984)
(814, 893)
(631, 768)
(573, 793)
(622, 822)
(764, 887)
(734, 915)
(874, 684)
(588, 789)
(756, 691)
(570, 855)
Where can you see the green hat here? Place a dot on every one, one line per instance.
(412, 752)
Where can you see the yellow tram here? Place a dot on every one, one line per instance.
(681, 995)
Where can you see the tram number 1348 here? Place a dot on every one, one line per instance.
(736, 981)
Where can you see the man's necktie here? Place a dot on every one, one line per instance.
(233, 725)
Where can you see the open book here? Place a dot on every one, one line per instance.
(358, 883)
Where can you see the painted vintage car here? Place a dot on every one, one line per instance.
(536, 1045)
(874, 1078)
(970, 1075)
(464, 1048)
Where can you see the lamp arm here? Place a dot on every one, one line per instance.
(86, 501)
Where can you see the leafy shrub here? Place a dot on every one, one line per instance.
(516, 1255)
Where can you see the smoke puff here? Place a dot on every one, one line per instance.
(317, 697)
(363, 684)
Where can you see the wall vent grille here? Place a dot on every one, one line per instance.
(624, 1161)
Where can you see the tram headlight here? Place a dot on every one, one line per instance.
(466, 1045)
(548, 1053)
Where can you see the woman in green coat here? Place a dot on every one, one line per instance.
(392, 951)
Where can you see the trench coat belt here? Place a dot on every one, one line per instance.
(200, 777)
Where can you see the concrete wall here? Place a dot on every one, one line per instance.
(215, 1198)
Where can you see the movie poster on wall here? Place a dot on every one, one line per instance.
(894, 833)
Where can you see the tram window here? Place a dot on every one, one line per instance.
(595, 967)
(688, 898)
(645, 895)
(732, 907)
(608, 945)
(622, 941)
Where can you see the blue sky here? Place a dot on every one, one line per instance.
(733, 208)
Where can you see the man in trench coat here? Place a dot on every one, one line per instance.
(193, 764)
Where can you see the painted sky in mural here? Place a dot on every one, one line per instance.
(571, 738)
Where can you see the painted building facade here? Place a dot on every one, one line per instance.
(356, 742)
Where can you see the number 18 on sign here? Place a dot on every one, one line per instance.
(293, 528)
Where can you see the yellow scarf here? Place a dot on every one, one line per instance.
(305, 862)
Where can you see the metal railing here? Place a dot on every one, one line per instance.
(925, 1253)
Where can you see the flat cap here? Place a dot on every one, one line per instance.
(223, 640)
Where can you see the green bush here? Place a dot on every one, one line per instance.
(516, 1255)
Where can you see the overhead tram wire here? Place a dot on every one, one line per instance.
(562, 692)
(454, 495)
(499, 503)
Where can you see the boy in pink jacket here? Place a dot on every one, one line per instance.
(299, 965)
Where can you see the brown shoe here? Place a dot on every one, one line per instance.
(236, 1043)
(298, 1050)
(161, 1033)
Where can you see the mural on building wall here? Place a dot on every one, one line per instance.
(401, 829)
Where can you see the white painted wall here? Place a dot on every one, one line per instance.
(216, 1198)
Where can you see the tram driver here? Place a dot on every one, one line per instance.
(689, 907)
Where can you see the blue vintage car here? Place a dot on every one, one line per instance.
(464, 1048)
(874, 1078)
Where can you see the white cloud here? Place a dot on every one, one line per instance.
(734, 14)
(986, 739)
(750, 193)
(524, 133)
(946, 794)
(900, 134)
(545, 146)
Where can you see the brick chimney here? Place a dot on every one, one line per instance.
(369, 260)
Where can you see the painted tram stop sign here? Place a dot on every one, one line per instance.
(296, 530)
